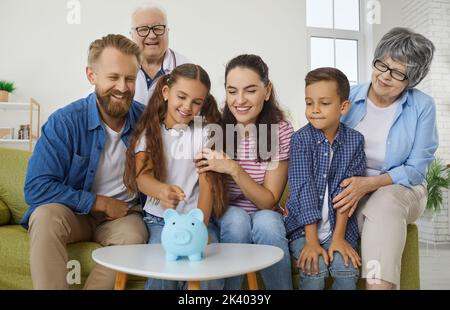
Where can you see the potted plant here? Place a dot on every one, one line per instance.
(6, 88)
(437, 179)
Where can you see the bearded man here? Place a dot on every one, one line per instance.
(74, 184)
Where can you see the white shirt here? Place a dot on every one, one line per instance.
(375, 127)
(180, 148)
(171, 60)
(324, 229)
(111, 166)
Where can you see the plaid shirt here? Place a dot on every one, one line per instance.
(310, 171)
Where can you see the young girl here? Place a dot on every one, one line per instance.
(160, 159)
(255, 182)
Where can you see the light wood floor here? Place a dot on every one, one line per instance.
(434, 267)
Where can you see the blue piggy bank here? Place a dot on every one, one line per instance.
(184, 235)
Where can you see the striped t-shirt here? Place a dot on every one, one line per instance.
(247, 159)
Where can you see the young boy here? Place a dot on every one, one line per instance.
(323, 154)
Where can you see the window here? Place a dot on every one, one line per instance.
(335, 36)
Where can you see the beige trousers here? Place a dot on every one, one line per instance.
(383, 217)
(53, 226)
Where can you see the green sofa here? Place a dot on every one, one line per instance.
(14, 246)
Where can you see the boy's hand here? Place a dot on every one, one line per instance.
(308, 260)
(342, 246)
(170, 196)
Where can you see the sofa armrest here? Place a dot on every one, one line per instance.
(5, 214)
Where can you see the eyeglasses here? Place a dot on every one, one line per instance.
(144, 31)
(395, 74)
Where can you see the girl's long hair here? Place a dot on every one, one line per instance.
(271, 113)
(150, 122)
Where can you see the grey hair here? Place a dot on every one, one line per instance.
(149, 7)
(412, 49)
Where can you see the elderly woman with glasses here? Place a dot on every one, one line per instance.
(399, 126)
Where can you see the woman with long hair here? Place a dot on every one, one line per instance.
(256, 163)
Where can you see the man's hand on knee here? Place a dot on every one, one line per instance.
(112, 208)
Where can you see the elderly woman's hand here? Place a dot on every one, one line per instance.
(355, 188)
(209, 160)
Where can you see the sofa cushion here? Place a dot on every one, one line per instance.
(410, 273)
(5, 215)
(15, 270)
(15, 257)
(13, 167)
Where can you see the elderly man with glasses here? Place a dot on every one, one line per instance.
(399, 126)
(151, 33)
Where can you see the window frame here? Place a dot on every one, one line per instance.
(337, 34)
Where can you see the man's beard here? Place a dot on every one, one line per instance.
(112, 108)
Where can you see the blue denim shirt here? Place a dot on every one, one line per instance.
(413, 138)
(63, 165)
(310, 172)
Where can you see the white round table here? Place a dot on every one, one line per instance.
(221, 260)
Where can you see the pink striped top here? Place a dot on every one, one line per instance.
(247, 158)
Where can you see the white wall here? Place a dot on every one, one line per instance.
(432, 19)
(388, 15)
(391, 16)
(46, 57)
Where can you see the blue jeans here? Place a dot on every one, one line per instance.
(345, 278)
(155, 225)
(261, 227)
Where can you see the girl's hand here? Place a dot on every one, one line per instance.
(170, 196)
(355, 188)
(308, 261)
(209, 160)
(342, 246)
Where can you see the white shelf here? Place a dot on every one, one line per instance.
(14, 141)
(14, 106)
(31, 107)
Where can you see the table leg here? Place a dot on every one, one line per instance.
(252, 282)
(194, 285)
(121, 281)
